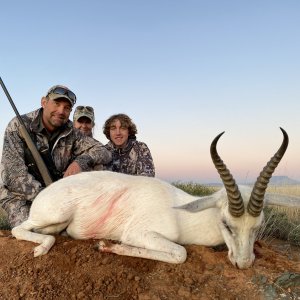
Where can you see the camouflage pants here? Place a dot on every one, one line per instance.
(17, 209)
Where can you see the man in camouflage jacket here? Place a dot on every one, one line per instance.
(70, 152)
(129, 156)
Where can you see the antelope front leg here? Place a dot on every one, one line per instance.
(161, 249)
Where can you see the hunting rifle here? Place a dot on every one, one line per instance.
(30, 144)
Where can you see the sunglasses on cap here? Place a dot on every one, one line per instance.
(63, 91)
(82, 108)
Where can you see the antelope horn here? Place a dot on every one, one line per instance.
(235, 201)
(255, 204)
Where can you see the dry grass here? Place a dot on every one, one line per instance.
(285, 189)
(282, 222)
(290, 190)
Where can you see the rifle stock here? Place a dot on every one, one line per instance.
(32, 147)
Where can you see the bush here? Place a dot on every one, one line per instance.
(4, 224)
(282, 224)
(3, 220)
(195, 189)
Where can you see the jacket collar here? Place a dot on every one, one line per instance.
(127, 148)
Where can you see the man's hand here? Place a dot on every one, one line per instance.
(72, 169)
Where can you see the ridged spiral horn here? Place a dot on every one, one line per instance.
(235, 201)
(255, 204)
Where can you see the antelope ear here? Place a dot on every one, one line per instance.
(282, 200)
(200, 204)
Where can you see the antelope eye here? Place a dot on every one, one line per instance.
(227, 227)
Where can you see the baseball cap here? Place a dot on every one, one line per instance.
(84, 111)
(60, 91)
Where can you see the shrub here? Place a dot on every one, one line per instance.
(195, 189)
(281, 224)
(3, 221)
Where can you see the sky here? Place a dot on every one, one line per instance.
(184, 71)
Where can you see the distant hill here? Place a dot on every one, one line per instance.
(275, 180)
(283, 180)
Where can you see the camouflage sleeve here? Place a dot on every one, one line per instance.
(15, 175)
(108, 166)
(89, 152)
(144, 165)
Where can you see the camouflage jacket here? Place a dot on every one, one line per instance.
(134, 159)
(70, 145)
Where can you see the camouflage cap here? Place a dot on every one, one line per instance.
(84, 111)
(60, 91)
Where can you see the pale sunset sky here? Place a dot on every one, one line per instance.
(184, 71)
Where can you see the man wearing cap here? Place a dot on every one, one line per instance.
(84, 119)
(65, 151)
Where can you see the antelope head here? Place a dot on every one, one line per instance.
(240, 223)
(241, 208)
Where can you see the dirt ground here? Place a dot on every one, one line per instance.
(76, 270)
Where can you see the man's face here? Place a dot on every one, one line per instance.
(56, 112)
(85, 125)
(118, 134)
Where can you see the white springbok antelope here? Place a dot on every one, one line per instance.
(151, 218)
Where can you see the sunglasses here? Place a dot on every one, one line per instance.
(82, 108)
(62, 91)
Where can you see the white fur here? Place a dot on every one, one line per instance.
(140, 212)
